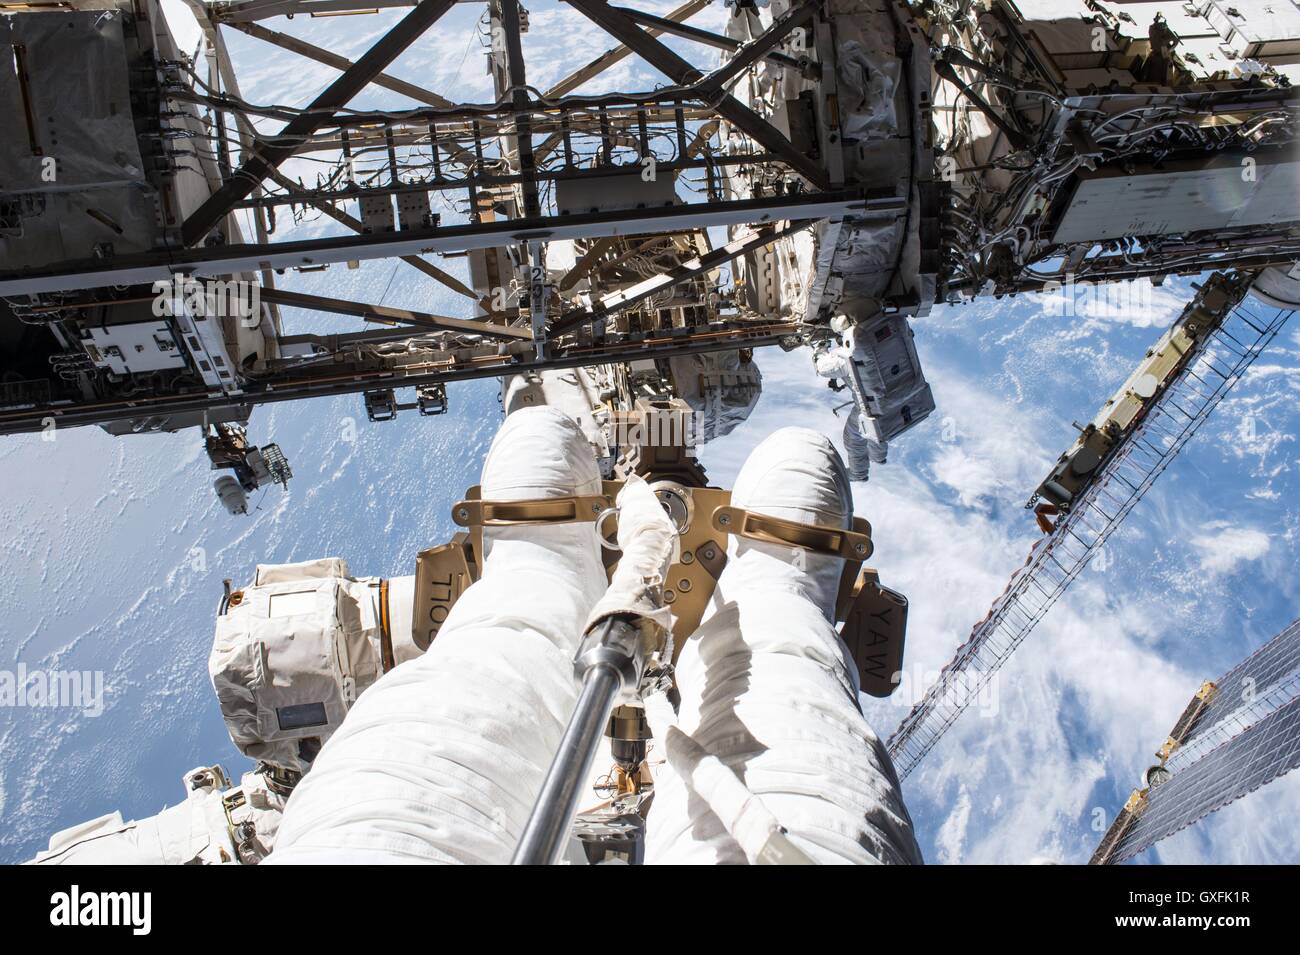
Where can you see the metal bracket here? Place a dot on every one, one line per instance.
(832, 541)
(546, 510)
(874, 631)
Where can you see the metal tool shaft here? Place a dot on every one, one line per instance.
(552, 815)
(609, 660)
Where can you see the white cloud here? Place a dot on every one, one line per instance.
(972, 478)
(1085, 701)
(1136, 302)
(952, 834)
(1226, 547)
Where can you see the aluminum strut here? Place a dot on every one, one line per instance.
(610, 660)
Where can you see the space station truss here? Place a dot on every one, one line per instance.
(1056, 559)
(1237, 734)
(797, 163)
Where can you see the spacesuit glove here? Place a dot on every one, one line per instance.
(649, 544)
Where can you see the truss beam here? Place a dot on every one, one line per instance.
(313, 253)
(428, 268)
(267, 156)
(355, 381)
(388, 315)
(266, 9)
(508, 10)
(610, 57)
(715, 40)
(689, 269)
(624, 28)
(341, 63)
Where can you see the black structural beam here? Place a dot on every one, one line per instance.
(265, 9)
(268, 155)
(387, 315)
(1017, 139)
(624, 29)
(340, 63)
(688, 32)
(610, 57)
(145, 267)
(753, 51)
(518, 79)
(284, 387)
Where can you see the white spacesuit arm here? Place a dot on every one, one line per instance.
(745, 816)
(648, 543)
(195, 831)
(831, 361)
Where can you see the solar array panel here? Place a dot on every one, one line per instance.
(1258, 755)
(1245, 694)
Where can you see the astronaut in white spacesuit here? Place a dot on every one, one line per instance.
(873, 356)
(442, 758)
(863, 443)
